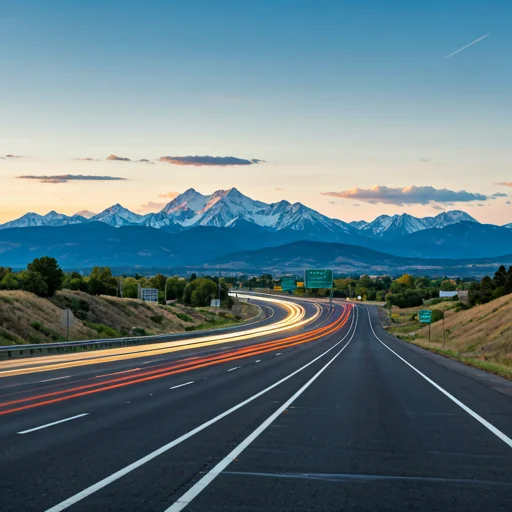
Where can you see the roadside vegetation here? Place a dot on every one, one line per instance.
(480, 336)
(106, 306)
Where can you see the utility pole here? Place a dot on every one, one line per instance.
(219, 289)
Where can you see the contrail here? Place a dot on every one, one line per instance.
(467, 46)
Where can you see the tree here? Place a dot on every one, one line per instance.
(50, 271)
(175, 288)
(500, 277)
(199, 292)
(158, 282)
(33, 282)
(448, 286)
(10, 282)
(422, 282)
(101, 282)
(130, 288)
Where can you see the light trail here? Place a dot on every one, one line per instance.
(294, 319)
(53, 397)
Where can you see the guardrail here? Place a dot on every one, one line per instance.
(12, 351)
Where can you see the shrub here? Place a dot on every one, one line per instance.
(184, 317)
(158, 319)
(103, 330)
(139, 331)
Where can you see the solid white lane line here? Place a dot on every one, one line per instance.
(498, 433)
(181, 385)
(116, 373)
(259, 360)
(235, 368)
(54, 423)
(207, 479)
(278, 354)
(144, 460)
(56, 378)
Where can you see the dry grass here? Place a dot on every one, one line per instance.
(26, 318)
(480, 336)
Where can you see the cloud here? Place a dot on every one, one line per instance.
(499, 194)
(169, 195)
(86, 159)
(64, 178)
(424, 159)
(13, 156)
(151, 207)
(118, 158)
(504, 183)
(437, 207)
(508, 202)
(146, 161)
(407, 195)
(222, 161)
(279, 188)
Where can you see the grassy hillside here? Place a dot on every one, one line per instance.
(26, 318)
(481, 336)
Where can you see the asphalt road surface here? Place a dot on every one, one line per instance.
(329, 414)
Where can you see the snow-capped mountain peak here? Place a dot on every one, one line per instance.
(392, 227)
(85, 213)
(190, 200)
(117, 216)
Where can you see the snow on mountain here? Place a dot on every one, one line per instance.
(161, 220)
(451, 217)
(118, 216)
(190, 200)
(392, 227)
(85, 213)
(224, 206)
(269, 216)
(358, 224)
(508, 226)
(50, 219)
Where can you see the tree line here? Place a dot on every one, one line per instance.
(44, 277)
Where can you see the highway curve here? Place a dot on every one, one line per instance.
(329, 414)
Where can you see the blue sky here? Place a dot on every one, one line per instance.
(333, 95)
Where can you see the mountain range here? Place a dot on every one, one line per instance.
(214, 230)
(224, 208)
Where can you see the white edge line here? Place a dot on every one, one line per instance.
(56, 378)
(199, 486)
(235, 368)
(181, 385)
(484, 422)
(147, 458)
(51, 424)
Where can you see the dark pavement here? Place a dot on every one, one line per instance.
(336, 422)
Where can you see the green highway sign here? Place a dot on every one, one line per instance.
(425, 316)
(288, 283)
(314, 278)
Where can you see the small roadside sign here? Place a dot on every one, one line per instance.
(278, 288)
(425, 316)
(288, 283)
(149, 294)
(300, 284)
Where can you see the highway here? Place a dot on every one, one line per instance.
(314, 408)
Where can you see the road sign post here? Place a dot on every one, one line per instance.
(67, 319)
(288, 283)
(318, 278)
(425, 317)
